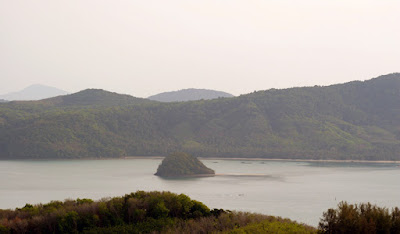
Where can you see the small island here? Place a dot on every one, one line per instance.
(181, 164)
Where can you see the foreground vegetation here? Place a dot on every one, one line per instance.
(140, 212)
(180, 164)
(166, 212)
(356, 120)
(360, 218)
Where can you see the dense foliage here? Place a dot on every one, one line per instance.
(356, 120)
(361, 218)
(273, 227)
(181, 164)
(140, 212)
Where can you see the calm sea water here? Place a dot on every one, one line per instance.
(297, 190)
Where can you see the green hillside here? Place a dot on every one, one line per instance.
(356, 120)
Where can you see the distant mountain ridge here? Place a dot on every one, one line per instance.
(94, 97)
(357, 120)
(189, 95)
(34, 92)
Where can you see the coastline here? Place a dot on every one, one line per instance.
(186, 176)
(209, 158)
(304, 160)
(274, 159)
(143, 157)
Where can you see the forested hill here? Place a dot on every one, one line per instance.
(94, 97)
(189, 95)
(85, 99)
(356, 120)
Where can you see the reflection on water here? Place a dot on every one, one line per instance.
(298, 190)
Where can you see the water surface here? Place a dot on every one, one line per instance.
(297, 190)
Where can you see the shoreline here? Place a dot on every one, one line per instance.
(186, 176)
(305, 160)
(274, 159)
(210, 158)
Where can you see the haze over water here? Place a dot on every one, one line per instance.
(297, 190)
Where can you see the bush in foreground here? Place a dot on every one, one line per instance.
(139, 212)
(166, 212)
(360, 218)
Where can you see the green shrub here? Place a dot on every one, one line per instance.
(360, 218)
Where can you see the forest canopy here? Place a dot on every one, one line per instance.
(166, 212)
(139, 212)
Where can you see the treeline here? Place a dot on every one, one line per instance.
(356, 120)
(360, 218)
(166, 212)
(139, 212)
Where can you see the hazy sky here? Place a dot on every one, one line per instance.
(151, 46)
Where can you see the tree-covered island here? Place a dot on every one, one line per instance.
(181, 164)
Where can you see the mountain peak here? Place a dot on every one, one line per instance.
(190, 94)
(34, 92)
(96, 97)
